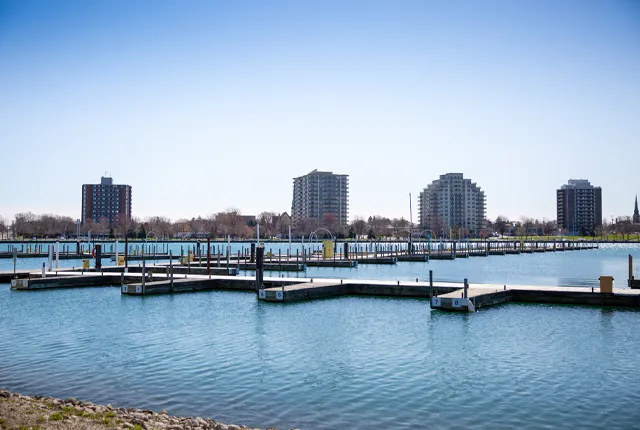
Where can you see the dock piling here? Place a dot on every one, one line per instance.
(98, 249)
(430, 284)
(170, 273)
(259, 268)
(209, 256)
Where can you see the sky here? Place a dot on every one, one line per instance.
(205, 105)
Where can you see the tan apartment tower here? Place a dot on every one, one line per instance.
(452, 203)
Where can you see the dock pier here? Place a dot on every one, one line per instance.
(443, 295)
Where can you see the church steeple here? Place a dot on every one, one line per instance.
(636, 214)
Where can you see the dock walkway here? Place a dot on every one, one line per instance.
(443, 295)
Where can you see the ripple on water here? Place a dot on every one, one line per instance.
(352, 362)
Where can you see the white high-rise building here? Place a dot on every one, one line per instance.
(317, 195)
(452, 202)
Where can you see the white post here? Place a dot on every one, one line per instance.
(228, 250)
(289, 240)
(117, 253)
(50, 257)
(57, 255)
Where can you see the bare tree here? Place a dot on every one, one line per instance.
(549, 227)
(267, 221)
(500, 225)
(304, 226)
(624, 227)
(4, 229)
(232, 223)
(330, 222)
(400, 227)
(359, 226)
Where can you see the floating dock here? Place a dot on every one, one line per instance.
(444, 295)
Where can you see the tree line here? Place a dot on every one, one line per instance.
(234, 224)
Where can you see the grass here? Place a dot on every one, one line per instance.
(57, 416)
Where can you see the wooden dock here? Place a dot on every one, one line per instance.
(443, 295)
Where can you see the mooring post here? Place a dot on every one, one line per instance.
(43, 268)
(253, 253)
(259, 268)
(209, 256)
(346, 251)
(228, 251)
(126, 254)
(188, 262)
(170, 273)
(57, 255)
(143, 270)
(431, 284)
(50, 257)
(630, 269)
(466, 288)
(98, 256)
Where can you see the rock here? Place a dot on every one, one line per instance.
(5, 394)
(164, 412)
(220, 426)
(233, 427)
(128, 425)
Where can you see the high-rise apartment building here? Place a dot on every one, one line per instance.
(452, 202)
(319, 195)
(106, 200)
(579, 206)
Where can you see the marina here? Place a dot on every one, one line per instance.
(327, 331)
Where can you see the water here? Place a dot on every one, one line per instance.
(350, 362)
(575, 268)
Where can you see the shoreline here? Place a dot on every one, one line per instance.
(18, 411)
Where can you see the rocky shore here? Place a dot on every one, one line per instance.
(42, 413)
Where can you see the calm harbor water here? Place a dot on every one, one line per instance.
(349, 362)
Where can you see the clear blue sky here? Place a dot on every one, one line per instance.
(202, 105)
